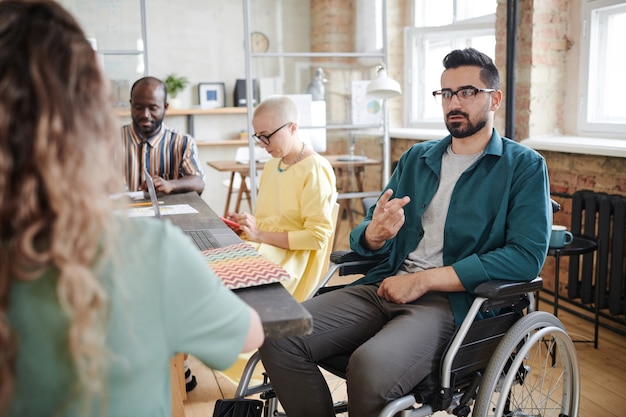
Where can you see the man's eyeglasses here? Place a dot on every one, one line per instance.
(464, 94)
(266, 138)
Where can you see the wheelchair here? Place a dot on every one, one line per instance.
(518, 363)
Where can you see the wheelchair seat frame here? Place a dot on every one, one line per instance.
(511, 364)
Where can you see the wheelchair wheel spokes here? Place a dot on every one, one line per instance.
(542, 377)
(538, 385)
(337, 387)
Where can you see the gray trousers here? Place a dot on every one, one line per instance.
(392, 347)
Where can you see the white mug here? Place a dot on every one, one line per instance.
(560, 236)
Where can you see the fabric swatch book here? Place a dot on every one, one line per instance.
(241, 266)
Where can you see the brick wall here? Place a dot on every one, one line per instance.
(333, 30)
(540, 65)
(570, 173)
(332, 26)
(542, 48)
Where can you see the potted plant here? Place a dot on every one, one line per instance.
(174, 85)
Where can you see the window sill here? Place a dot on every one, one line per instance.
(418, 134)
(578, 145)
(567, 144)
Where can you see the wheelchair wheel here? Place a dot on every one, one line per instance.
(533, 372)
(337, 387)
(340, 398)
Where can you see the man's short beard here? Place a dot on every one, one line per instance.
(457, 131)
(155, 128)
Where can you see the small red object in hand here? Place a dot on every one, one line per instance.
(235, 226)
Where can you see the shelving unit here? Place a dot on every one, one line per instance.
(288, 63)
(191, 113)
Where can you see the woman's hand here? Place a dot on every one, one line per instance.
(247, 224)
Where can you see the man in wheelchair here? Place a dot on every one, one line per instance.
(457, 212)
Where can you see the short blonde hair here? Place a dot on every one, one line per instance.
(280, 107)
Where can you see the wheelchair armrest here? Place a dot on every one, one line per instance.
(343, 256)
(501, 292)
(349, 262)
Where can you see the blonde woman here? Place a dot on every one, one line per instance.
(89, 312)
(292, 220)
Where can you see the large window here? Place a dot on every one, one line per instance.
(117, 30)
(439, 27)
(603, 62)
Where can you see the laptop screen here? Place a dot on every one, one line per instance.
(153, 196)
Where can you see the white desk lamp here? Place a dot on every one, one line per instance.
(383, 88)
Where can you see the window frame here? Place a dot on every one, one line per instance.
(415, 41)
(593, 48)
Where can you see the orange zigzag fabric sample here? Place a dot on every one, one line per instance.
(241, 266)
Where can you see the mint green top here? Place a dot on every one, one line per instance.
(164, 300)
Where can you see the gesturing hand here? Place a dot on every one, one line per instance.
(387, 219)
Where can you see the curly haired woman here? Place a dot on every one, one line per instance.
(88, 310)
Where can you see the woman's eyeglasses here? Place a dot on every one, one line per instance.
(266, 138)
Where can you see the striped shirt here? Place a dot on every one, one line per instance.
(168, 154)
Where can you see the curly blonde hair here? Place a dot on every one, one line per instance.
(57, 140)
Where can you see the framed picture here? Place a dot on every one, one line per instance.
(212, 95)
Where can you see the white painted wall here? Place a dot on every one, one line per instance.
(204, 41)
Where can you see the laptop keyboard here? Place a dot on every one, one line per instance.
(203, 239)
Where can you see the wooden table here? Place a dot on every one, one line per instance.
(349, 175)
(280, 313)
(349, 181)
(235, 168)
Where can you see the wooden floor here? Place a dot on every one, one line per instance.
(603, 370)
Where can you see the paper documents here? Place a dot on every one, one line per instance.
(165, 210)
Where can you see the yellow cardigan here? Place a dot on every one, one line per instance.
(297, 201)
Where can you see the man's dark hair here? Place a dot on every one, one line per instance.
(471, 57)
(149, 80)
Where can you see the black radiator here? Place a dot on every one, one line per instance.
(602, 217)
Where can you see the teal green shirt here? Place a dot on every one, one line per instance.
(164, 299)
(498, 223)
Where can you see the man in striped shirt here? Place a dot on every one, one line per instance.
(169, 156)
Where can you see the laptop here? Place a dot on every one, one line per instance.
(235, 262)
(216, 236)
(152, 193)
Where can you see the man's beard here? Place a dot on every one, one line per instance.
(148, 132)
(458, 130)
